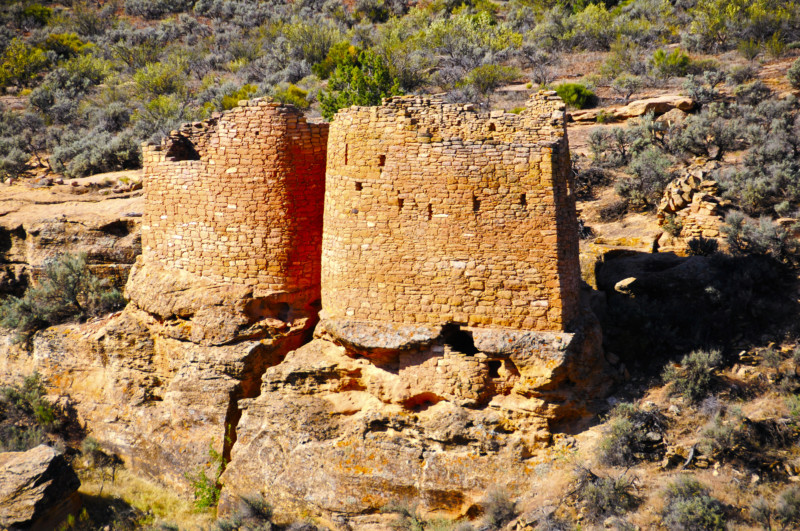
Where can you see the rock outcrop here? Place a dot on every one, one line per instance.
(441, 419)
(159, 382)
(658, 106)
(38, 489)
(692, 205)
(37, 224)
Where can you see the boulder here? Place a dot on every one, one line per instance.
(38, 489)
(657, 106)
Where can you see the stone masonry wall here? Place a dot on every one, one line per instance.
(238, 199)
(435, 213)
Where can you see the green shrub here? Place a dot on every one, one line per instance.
(485, 79)
(672, 225)
(207, 489)
(626, 85)
(66, 45)
(498, 509)
(694, 378)
(793, 74)
(294, 95)
(775, 45)
(161, 79)
(630, 436)
(27, 415)
(82, 153)
(576, 96)
(690, 506)
(651, 174)
(785, 513)
(365, 82)
(230, 101)
(702, 246)
(67, 290)
(749, 48)
(674, 63)
(605, 496)
(340, 53)
(752, 93)
(20, 63)
(759, 237)
(32, 16)
(611, 147)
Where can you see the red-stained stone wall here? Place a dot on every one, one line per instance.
(238, 199)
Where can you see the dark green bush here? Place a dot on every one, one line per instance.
(694, 378)
(67, 290)
(634, 435)
(690, 506)
(702, 246)
(485, 79)
(793, 74)
(762, 237)
(25, 415)
(651, 174)
(605, 496)
(576, 95)
(294, 95)
(674, 63)
(752, 93)
(611, 147)
(82, 153)
(363, 83)
(742, 74)
(153, 9)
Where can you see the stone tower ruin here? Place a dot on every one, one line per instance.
(238, 199)
(437, 214)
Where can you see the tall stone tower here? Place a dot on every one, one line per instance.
(436, 214)
(238, 199)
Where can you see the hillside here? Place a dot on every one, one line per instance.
(683, 126)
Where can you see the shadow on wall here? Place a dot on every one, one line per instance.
(661, 306)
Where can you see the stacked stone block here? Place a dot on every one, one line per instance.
(238, 199)
(436, 213)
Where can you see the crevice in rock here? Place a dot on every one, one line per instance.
(459, 340)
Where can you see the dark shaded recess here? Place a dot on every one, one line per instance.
(458, 340)
(679, 304)
(7, 238)
(119, 228)
(181, 148)
(494, 368)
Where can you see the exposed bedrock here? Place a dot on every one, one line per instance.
(343, 428)
(160, 382)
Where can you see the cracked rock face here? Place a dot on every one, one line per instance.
(341, 432)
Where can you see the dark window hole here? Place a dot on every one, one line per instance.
(346, 149)
(430, 212)
(523, 200)
(181, 148)
(400, 202)
(283, 311)
(381, 160)
(359, 187)
(458, 340)
(494, 368)
(492, 127)
(476, 204)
